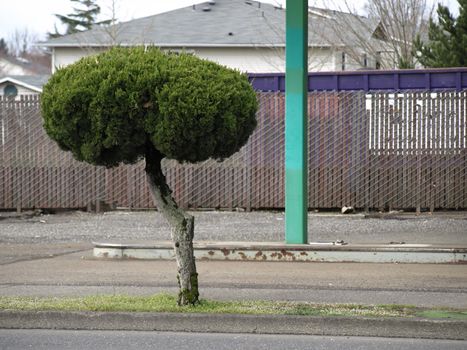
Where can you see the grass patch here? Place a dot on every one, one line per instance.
(455, 315)
(168, 303)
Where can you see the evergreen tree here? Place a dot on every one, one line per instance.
(447, 39)
(3, 47)
(83, 18)
(131, 103)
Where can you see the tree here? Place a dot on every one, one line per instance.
(83, 18)
(385, 35)
(131, 103)
(3, 47)
(22, 42)
(400, 22)
(447, 39)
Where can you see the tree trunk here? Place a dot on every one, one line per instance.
(182, 227)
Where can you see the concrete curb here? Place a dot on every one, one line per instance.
(227, 323)
(273, 251)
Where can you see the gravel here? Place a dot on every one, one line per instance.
(144, 226)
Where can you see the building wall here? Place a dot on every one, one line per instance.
(249, 59)
(265, 60)
(346, 62)
(63, 56)
(254, 60)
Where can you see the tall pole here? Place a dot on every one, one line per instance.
(296, 121)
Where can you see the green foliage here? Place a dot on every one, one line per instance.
(108, 108)
(405, 63)
(3, 47)
(447, 45)
(84, 18)
(168, 303)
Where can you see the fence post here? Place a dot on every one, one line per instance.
(296, 89)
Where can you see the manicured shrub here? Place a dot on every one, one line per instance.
(132, 103)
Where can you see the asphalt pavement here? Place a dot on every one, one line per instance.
(71, 340)
(78, 273)
(50, 255)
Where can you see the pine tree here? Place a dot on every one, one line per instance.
(83, 18)
(447, 39)
(3, 47)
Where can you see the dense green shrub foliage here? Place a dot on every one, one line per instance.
(106, 109)
(447, 39)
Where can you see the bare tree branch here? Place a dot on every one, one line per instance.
(22, 41)
(387, 32)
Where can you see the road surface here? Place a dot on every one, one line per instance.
(68, 340)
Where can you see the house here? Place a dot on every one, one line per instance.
(19, 85)
(30, 64)
(242, 34)
(12, 66)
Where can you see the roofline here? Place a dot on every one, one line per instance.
(182, 45)
(19, 82)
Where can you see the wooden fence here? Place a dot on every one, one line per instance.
(367, 150)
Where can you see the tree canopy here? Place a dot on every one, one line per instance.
(83, 18)
(129, 103)
(381, 39)
(107, 108)
(447, 39)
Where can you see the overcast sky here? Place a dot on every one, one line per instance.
(38, 15)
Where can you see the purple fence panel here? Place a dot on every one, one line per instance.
(396, 80)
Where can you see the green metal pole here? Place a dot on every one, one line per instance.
(296, 121)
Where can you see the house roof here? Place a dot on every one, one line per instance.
(34, 64)
(32, 82)
(221, 23)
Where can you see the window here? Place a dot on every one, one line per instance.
(10, 90)
(378, 60)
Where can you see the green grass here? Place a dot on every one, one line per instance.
(167, 303)
(452, 314)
